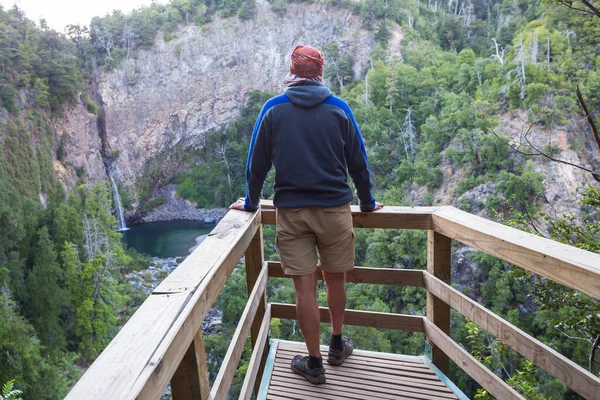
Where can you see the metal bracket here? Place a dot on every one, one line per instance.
(428, 350)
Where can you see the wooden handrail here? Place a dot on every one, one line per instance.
(388, 217)
(376, 276)
(236, 347)
(557, 365)
(476, 370)
(256, 358)
(568, 265)
(372, 319)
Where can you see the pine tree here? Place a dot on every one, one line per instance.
(46, 297)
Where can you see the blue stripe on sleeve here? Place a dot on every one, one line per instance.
(336, 101)
(281, 99)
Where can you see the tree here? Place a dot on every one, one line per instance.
(43, 97)
(46, 297)
(20, 355)
(128, 40)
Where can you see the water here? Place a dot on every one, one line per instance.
(165, 239)
(117, 198)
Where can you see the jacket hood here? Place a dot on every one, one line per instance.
(307, 94)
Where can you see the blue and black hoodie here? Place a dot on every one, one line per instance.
(312, 139)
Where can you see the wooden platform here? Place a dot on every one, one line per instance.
(364, 375)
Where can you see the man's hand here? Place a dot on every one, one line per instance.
(238, 205)
(378, 206)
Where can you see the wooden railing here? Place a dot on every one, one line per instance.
(162, 342)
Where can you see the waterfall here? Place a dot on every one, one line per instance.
(120, 215)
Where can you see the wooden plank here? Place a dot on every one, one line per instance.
(446, 380)
(567, 265)
(154, 378)
(377, 276)
(296, 394)
(284, 361)
(286, 345)
(266, 378)
(254, 264)
(257, 356)
(367, 361)
(373, 376)
(407, 323)
(476, 370)
(236, 347)
(268, 217)
(391, 387)
(190, 381)
(397, 364)
(557, 365)
(341, 392)
(255, 259)
(438, 264)
(388, 217)
(231, 236)
(115, 372)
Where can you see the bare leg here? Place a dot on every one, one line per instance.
(336, 299)
(307, 311)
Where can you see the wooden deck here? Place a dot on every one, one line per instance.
(364, 375)
(162, 342)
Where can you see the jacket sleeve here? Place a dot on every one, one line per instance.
(358, 164)
(259, 161)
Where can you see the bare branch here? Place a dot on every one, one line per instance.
(538, 152)
(589, 117)
(593, 353)
(592, 10)
(591, 7)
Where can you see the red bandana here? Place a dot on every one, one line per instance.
(306, 62)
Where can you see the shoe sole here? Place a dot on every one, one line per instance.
(315, 380)
(338, 361)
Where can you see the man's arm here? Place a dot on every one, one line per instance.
(358, 165)
(259, 161)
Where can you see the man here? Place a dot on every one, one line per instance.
(312, 139)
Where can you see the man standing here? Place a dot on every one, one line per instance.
(312, 139)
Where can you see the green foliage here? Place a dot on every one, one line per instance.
(44, 63)
(152, 204)
(279, 6)
(46, 297)
(568, 312)
(90, 105)
(9, 393)
(339, 68)
(522, 375)
(219, 178)
(21, 355)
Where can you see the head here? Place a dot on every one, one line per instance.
(306, 63)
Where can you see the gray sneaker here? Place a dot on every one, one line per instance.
(337, 357)
(300, 366)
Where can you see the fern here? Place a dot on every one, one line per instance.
(8, 393)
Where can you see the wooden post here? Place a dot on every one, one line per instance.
(190, 381)
(255, 261)
(438, 264)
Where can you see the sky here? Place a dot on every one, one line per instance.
(60, 13)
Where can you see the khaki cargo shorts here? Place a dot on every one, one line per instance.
(301, 231)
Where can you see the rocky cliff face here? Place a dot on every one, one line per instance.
(173, 94)
(77, 129)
